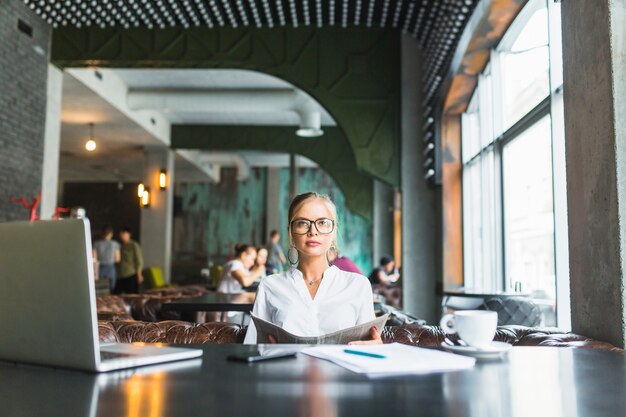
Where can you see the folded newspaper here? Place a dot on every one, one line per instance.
(360, 332)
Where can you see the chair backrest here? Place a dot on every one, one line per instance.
(154, 276)
(514, 310)
(216, 274)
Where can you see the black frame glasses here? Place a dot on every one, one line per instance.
(312, 222)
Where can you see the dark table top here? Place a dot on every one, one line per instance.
(532, 381)
(213, 302)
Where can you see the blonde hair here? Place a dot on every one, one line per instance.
(301, 199)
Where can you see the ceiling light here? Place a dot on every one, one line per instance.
(140, 189)
(90, 145)
(310, 124)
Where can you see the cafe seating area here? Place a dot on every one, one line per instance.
(312, 208)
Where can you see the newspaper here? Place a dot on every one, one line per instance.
(360, 332)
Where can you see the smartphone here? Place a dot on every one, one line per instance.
(256, 356)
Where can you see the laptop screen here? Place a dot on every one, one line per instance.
(47, 296)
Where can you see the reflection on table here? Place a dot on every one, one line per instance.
(532, 381)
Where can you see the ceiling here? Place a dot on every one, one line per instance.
(120, 140)
(437, 25)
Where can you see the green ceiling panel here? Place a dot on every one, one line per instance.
(354, 73)
(331, 152)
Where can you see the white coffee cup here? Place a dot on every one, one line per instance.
(475, 327)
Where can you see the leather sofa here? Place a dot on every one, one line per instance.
(148, 305)
(180, 332)
(392, 294)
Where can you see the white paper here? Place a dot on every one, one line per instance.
(399, 359)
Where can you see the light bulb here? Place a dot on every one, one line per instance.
(90, 145)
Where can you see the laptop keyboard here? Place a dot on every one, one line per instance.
(104, 355)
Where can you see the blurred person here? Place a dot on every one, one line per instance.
(130, 266)
(240, 271)
(107, 252)
(261, 259)
(276, 257)
(313, 298)
(385, 273)
(343, 262)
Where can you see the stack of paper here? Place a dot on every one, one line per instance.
(392, 359)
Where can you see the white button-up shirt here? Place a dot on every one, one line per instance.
(343, 299)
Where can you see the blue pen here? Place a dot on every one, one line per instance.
(359, 352)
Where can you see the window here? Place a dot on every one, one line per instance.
(509, 185)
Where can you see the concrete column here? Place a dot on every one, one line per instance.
(419, 247)
(293, 176)
(52, 143)
(383, 220)
(156, 220)
(272, 202)
(594, 82)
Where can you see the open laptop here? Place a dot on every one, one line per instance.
(48, 303)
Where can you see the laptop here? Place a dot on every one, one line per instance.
(48, 303)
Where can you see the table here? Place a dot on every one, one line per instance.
(533, 381)
(212, 302)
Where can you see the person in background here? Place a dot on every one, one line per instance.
(385, 273)
(261, 259)
(237, 274)
(131, 264)
(276, 257)
(107, 252)
(344, 263)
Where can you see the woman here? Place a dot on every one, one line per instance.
(386, 273)
(261, 260)
(313, 298)
(236, 273)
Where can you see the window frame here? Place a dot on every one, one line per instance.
(550, 105)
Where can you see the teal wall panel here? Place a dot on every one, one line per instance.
(355, 231)
(215, 217)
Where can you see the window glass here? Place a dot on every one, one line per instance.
(525, 68)
(528, 210)
(479, 207)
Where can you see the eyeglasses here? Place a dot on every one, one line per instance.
(302, 226)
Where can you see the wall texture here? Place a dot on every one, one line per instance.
(215, 217)
(594, 81)
(23, 78)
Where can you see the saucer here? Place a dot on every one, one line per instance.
(494, 350)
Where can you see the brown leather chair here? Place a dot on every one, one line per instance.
(392, 294)
(179, 332)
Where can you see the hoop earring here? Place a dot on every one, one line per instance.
(289, 252)
(334, 250)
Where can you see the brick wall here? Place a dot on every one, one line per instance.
(23, 77)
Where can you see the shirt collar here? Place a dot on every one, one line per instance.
(296, 274)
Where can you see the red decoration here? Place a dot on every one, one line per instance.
(32, 206)
(58, 211)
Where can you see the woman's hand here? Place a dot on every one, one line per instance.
(272, 339)
(376, 340)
